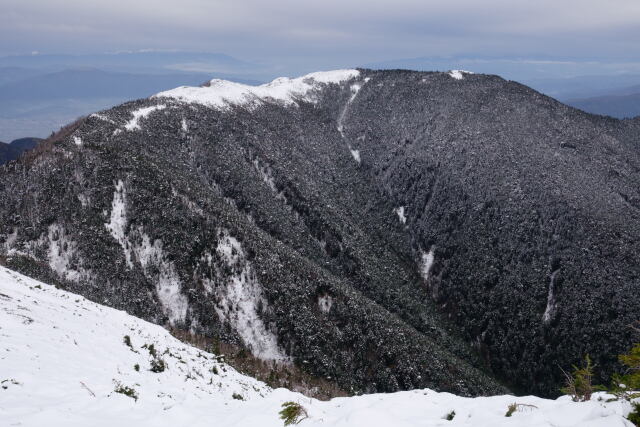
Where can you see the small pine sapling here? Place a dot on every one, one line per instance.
(157, 365)
(292, 413)
(127, 342)
(627, 386)
(634, 416)
(151, 349)
(632, 362)
(127, 391)
(578, 384)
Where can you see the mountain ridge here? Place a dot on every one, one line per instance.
(620, 106)
(353, 216)
(15, 148)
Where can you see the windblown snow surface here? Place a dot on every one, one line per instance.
(62, 357)
(222, 93)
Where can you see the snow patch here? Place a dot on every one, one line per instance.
(84, 200)
(101, 117)
(325, 302)
(118, 222)
(550, 310)
(134, 123)
(10, 240)
(77, 140)
(61, 254)
(401, 215)
(427, 259)
(355, 154)
(185, 127)
(240, 300)
(266, 175)
(151, 256)
(206, 260)
(222, 93)
(459, 74)
(355, 88)
(162, 272)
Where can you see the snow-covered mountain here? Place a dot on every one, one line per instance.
(385, 230)
(62, 358)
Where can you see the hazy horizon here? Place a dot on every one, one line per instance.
(569, 50)
(294, 37)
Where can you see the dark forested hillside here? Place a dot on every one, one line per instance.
(383, 229)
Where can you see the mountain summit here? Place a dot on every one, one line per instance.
(385, 230)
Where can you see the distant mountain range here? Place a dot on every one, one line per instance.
(143, 62)
(615, 96)
(620, 106)
(40, 93)
(94, 83)
(15, 148)
(586, 86)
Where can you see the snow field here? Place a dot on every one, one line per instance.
(62, 357)
(223, 93)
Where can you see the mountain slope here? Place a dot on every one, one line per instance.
(194, 232)
(530, 208)
(63, 357)
(388, 230)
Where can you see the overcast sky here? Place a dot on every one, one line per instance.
(329, 33)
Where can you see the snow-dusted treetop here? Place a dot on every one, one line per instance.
(222, 93)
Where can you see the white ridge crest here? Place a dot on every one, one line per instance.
(223, 93)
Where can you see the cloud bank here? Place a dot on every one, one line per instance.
(328, 33)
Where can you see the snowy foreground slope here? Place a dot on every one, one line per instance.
(62, 357)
